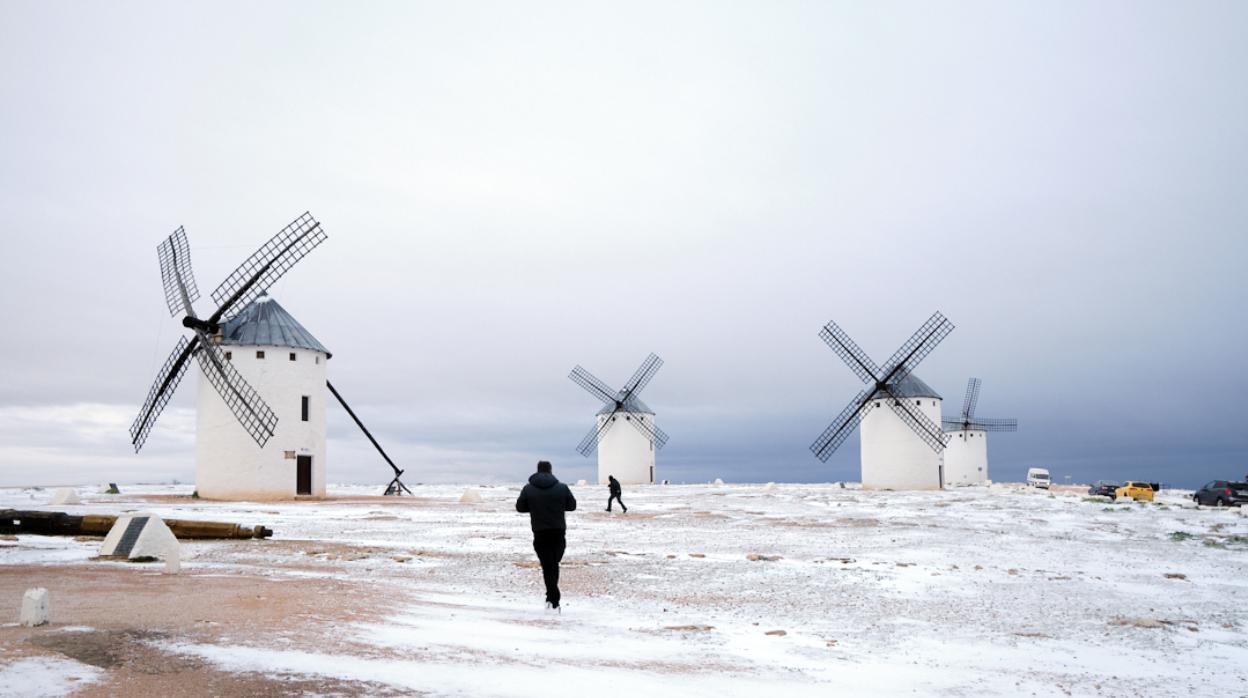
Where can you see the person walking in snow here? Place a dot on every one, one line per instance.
(614, 486)
(545, 500)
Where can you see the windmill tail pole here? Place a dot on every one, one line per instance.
(364, 429)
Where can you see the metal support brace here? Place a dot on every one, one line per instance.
(396, 486)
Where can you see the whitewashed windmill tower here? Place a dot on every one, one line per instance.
(966, 455)
(902, 442)
(628, 454)
(260, 425)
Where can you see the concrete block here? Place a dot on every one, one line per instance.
(140, 535)
(35, 607)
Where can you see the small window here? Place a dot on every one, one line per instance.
(260, 354)
(318, 360)
(877, 403)
(292, 356)
(303, 407)
(229, 355)
(918, 403)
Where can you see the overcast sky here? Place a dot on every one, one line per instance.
(511, 189)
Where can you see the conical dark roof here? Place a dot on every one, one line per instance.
(265, 323)
(913, 386)
(634, 405)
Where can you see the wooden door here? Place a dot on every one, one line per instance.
(303, 475)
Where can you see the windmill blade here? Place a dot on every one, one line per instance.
(987, 424)
(590, 442)
(597, 388)
(650, 430)
(175, 273)
(850, 353)
(920, 344)
(952, 424)
(266, 266)
(167, 381)
(972, 397)
(660, 437)
(925, 428)
(840, 428)
(246, 404)
(642, 377)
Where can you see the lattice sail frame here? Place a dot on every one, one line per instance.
(969, 422)
(252, 412)
(595, 387)
(927, 430)
(641, 377)
(167, 381)
(840, 428)
(903, 361)
(270, 262)
(971, 399)
(174, 255)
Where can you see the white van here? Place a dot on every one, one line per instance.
(1038, 477)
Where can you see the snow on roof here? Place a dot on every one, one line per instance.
(266, 323)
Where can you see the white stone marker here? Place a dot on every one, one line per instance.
(35, 607)
(470, 496)
(718, 482)
(173, 561)
(581, 483)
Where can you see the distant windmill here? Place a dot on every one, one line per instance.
(627, 454)
(902, 442)
(966, 457)
(288, 371)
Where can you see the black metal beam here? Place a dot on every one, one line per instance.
(397, 471)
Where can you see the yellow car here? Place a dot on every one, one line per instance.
(1139, 491)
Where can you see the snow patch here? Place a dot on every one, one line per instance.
(45, 677)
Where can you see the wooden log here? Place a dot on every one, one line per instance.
(59, 523)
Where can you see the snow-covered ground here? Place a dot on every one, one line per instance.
(709, 590)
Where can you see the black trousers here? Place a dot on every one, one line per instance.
(549, 546)
(616, 497)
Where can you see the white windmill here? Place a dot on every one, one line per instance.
(966, 455)
(260, 430)
(627, 454)
(902, 442)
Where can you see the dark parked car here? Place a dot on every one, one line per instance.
(1104, 488)
(1221, 493)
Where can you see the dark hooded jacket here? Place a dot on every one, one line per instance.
(615, 487)
(545, 499)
